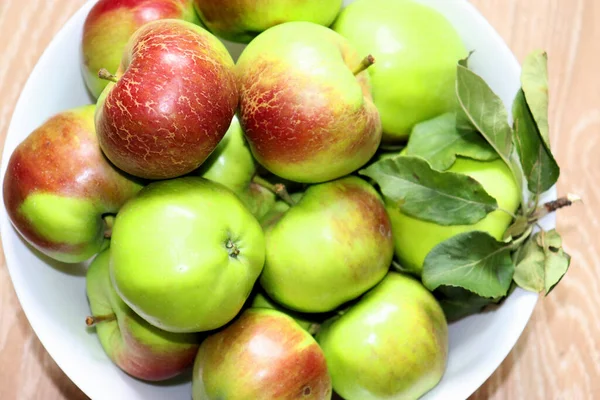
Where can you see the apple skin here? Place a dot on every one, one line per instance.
(138, 348)
(170, 260)
(58, 185)
(263, 355)
(331, 247)
(417, 51)
(414, 238)
(110, 24)
(307, 118)
(232, 165)
(173, 102)
(242, 20)
(392, 344)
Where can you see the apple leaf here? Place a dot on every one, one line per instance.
(541, 263)
(445, 198)
(534, 79)
(483, 111)
(474, 261)
(539, 166)
(518, 227)
(458, 303)
(439, 142)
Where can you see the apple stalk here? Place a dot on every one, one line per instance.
(553, 206)
(104, 74)
(279, 189)
(93, 320)
(364, 64)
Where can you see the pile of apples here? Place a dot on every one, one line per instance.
(221, 200)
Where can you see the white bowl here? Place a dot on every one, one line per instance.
(53, 294)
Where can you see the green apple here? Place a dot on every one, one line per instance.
(232, 165)
(392, 344)
(242, 20)
(333, 245)
(185, 254)
(416, 51)
(263, 355)
(60, 191)
(305, 103)
(414, 238)
(137, 347)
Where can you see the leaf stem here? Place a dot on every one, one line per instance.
(507, 212)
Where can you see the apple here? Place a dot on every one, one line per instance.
(171, 103)
(333, 245)
(417, 50)
(242, 20)
(415, 238)
(185, 254)
(232, 165)
(306, 116)
(137, 347)
(263, 355)
(59, 190)
(392, 344)
(110, 24)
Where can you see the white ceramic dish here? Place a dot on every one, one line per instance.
(53, 294)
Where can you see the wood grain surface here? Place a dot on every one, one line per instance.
(558, 356)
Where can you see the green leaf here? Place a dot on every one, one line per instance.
(529, 271)
(539, 166)
(439, 142)
(482, 110)
(445, 198)
(557, 265)
(534, 79)
(474, 261)
(518, 227)
(458, 303)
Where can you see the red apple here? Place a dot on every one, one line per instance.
(110, 24)
(58, 187)
(264, 354)
(172, 102)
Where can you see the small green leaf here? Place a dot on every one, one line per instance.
(557, 265)
(529, 271)
(534, 79)
(518, 227)
(439, 142)
(458, 303)
(445, 198)
(549, 240)
(474, 261)
(539, 166)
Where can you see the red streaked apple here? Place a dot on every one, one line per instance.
(305, 103)
(263, 355)
(58, 188)
(137, 347)
(110, 24)
(172, 102)
(242, 20)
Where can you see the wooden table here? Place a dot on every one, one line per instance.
(558, 357)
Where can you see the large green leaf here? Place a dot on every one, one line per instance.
(439, 142)
(474, 261)
(445, 198)
(534, 79)
(458, 303)
(539, 166)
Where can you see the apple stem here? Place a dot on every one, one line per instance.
(279, 189)
(313, 329)
(555, 205)
(364, 64)
(109, 221)
(233, 250)
(94, 320)
(107, 76)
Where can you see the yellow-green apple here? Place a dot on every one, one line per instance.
(417, 50)
(329, 248)
(59, 188)
(306, 116)
(232, 165)
(137, 347)
(110, 24)
(263, 355)
(242, 20)
(391, 344)
(172, 102)
(185, 254)
(415, 238)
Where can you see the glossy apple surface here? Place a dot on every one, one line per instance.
(58, 187)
